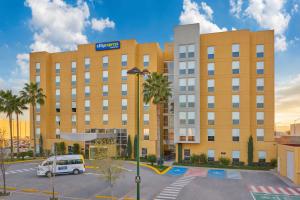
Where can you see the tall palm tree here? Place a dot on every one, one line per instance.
(157, 89)
(19, 106)
(33, 95)
(8, 102)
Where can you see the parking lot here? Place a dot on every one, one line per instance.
(178, 183)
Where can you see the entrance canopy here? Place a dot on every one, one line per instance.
(85, 136)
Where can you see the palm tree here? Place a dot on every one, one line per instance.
(8, 102)
(19, 106)
(33, 95)
(157, 89)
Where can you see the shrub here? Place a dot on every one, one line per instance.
(224, 161)
(274, 162)
(29, 153)
(22, 155)
(151, 159)
(195, 159)
(76, 148)
(203, 158)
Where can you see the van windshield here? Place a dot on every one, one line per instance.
(47, 163)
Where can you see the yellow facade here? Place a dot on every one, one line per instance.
(282, 167)
(223, 144)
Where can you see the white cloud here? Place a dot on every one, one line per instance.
(101, 24)
(295, 9)
(287, 105)
(236, 7)
(203, 14)
(270, 14)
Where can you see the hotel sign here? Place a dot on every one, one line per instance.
(108, 45)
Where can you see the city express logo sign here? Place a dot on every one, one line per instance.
(108, 45)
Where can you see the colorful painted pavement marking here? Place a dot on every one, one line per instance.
(216, 173)
(177, 171)
(233, 174)
(197, 172)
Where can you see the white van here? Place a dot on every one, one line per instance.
(65, 164)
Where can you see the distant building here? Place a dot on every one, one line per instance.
(24, 128)
(295, 129)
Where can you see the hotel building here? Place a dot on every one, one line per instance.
(222, 85)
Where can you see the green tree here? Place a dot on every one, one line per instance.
(41, 145)
(135, 146)
(157, 90)
(3, 157)
(76, 148)
(129, 148)
(19, 106)
(151, 159)
(250, 150)
(33, 95)
(62, 147)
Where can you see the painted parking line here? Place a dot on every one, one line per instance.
(263, 196)
(16, 171)
(177, 171)
(233, 174)
(196, 172)
(274, 190)
(216, 173)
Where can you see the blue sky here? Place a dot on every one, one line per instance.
(145, 21)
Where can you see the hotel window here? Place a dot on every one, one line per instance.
(260, 51)
(191, 117)
(235, 118)
(260, 134)
(191, 84)
(191, 67)
(211, 85)
(87, 91)
(259, 101)
(124, 60)
(235, 50)
(182, 84)
(57, 120)
(211, 155)
(182, 117)
(146, 106)
(146, 134)
(105, 76)
(191, 134)
(235, 84)
(235, 101)
(211, 69)
(57, 93)
(235, 156)
(146, 119)
(38, 132)
(87, 104)
(124, 89)
(210, 101)
(182, 101)
(124, 74)
(57, 106)
(37, 68)
(105, 90)
(57, 133)
(57, 81)
(191, 51)
(105, 118)
(182, 51)
(73, 67)
(74, 119)
(124, 119)
(38, 119)
(260, 118)
(262, 155)
(191, 101)
(73, 80)
(146, 60)
(105, 61)
(144, 152)
(73, 93)
(74, 130)
(260, 83)
(210, 52)
(73, 106)
(57, 68)
(211, 134)
(124, 104)
(182, 134)
(235, 65)
(104, 104)
(236, 135)
(87, 77)
(187, 154)
(38, 107)
(38, 79)
(211, 118)
(87, 63)
(182, 68)
(87, 119)
(260, 67)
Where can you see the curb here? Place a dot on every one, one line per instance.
(106, 197)
(30, 190)
(22, 161)
(153, 168)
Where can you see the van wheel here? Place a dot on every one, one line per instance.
(76, 171)
(49, 174)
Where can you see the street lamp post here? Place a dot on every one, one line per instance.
(136, 71)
